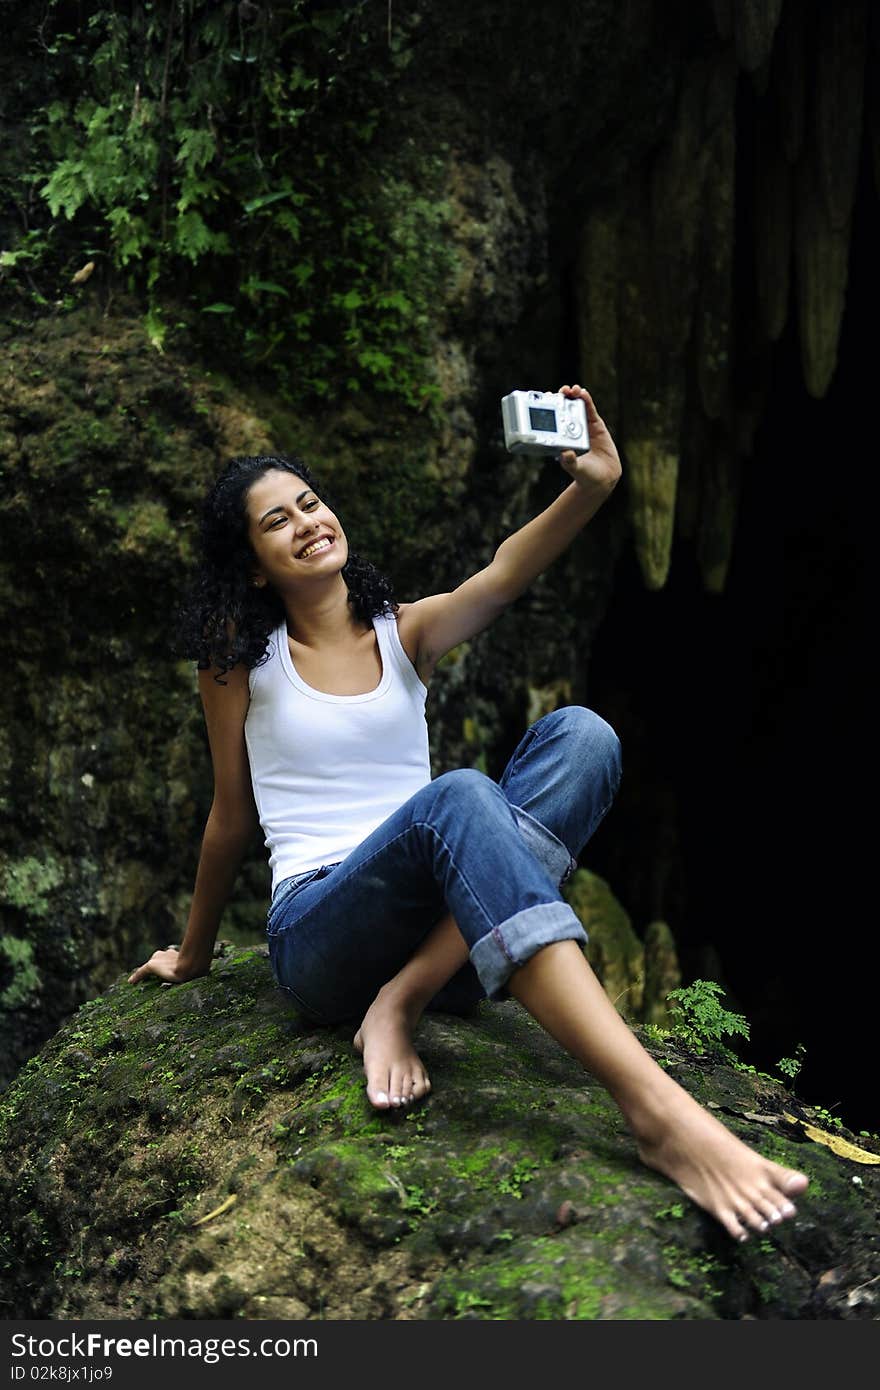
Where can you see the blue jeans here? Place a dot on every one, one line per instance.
(493, 854)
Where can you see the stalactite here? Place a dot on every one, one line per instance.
(821, 263)
(755, 354)
(652, 476)
(712, 343)
(651, 471)
(772, 224)
(790, 79)
(841, 31)
(677, 184)
(720, 485)
(597, 299)
(695, 440)
(754, 24)
(658, 283)
(650, 400)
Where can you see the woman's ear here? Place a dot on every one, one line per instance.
(259, 581)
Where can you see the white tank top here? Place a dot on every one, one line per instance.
(328, 769)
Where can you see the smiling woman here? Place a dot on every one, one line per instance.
(257, 512)
(393, 891)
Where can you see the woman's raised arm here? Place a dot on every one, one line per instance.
(230, 827)
(434, 625)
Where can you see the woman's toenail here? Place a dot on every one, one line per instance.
(764, 1225)
(382, 1098)
(788, 1209)
(744, 1236)
(775, 1215)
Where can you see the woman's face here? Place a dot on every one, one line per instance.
(293, 535)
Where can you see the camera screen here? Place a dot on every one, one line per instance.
(542, 419)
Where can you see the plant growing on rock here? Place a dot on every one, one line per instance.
(235, 160)
(701, 1021)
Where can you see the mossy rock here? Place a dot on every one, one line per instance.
(202, 1152)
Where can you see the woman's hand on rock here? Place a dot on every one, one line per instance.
(169, 968)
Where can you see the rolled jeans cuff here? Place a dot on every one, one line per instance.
(547, 849)
(509, 945)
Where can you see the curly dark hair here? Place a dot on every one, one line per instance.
(224, 619)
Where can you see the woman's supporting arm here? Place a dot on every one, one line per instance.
(230, 828)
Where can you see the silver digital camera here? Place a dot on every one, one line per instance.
(544, 422)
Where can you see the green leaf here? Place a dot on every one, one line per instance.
(193, 236)
(265, 199)
(197, 148)
(218, 309)
(66, 189)
(266, 285)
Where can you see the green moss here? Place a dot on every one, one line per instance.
(25, 986)
(28, 883)
(547, 1278)
(692, 1271)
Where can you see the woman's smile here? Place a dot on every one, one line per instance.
(316, 547)
(289, 522)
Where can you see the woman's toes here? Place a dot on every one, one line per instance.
(751, 1217)
(766, 1205)
(771, 1211)
(733, 1225)
(794, 1182)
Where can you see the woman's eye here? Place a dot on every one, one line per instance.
(279, 521)
(309, 505)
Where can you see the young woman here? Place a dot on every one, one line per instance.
(393, 892)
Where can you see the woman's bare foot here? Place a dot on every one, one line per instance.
(395, 1073)
(716, 1170)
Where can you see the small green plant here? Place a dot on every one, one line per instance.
(791, 1066)
(825, 1117)
(417, 1201)
(674, 1212)
(655, 1033)
(701, 1021)
(523, 1171)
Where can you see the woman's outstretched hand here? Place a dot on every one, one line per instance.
(602, 464)
(167, 965)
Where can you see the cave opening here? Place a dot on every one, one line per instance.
(743, 818)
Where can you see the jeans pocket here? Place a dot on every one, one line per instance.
(284, 893)
(288, 889)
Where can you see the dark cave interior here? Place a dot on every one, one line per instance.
(745, 719)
